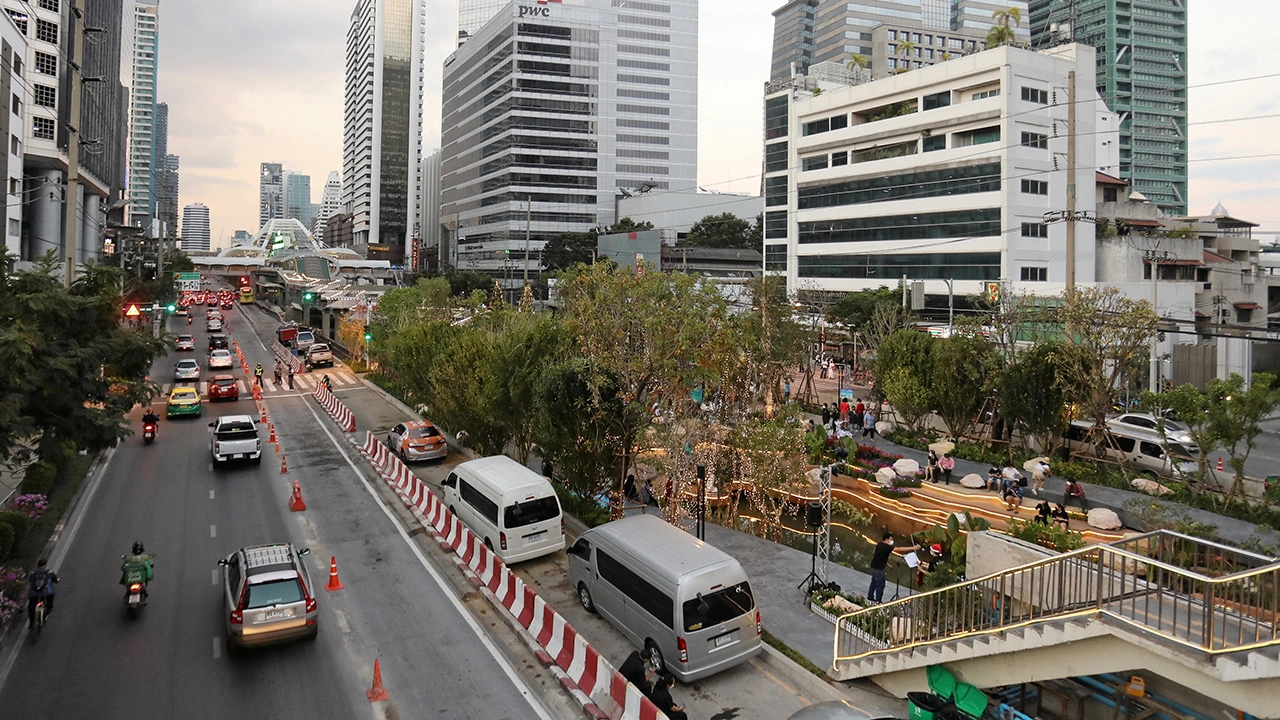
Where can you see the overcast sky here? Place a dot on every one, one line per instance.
(251, 81)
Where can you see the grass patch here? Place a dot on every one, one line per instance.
(792, 655)
(70, 477)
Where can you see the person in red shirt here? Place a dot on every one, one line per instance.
(844, 410)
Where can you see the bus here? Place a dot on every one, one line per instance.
(246, 295)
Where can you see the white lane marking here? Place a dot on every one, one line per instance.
(210, 467)
(210, 494)
(440, 581)
(217, 648)
(341, 618)
(213, 531)
(215, 576)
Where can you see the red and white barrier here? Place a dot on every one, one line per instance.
(332, 405)
(607, 693)
(283, 355)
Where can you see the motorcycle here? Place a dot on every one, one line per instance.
(148, 433)
(135, 583)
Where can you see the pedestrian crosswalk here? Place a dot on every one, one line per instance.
(302, 383)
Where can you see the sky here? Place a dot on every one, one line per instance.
(252, 81)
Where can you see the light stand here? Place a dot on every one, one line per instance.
(813, 581)
(701, 525)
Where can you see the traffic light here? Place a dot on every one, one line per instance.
(244, 280)
(308, 296)
(172, 308)
(367, 335)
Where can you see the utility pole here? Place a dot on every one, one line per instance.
(72, 198)
(1153, 380)
(1071, 182)
(528, 220)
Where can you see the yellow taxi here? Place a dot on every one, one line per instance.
(183, 401)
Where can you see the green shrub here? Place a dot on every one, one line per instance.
(19, 522)
(1046, 535)
(585, 509)
(7, 539)
(39, 478)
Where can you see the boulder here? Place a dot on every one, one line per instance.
(942, 447)
(884, 427)
(1104, 519)
(1150, 487)
(973, 480)
(886, 474)
(906, 466)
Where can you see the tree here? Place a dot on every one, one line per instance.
(1234, 412)
(1001, 33)
(855, 309)
(1191, 407)
(858, 62)
(722, 231)
(1031, 399)
(904, 366)
(572, 426)
(523, 346)
(904, 50)
(568, 249)
(625, 225)
(960, 371)
(909, 396)
(69, 368)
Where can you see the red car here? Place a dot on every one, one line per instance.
(223, 387)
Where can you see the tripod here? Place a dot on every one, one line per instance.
(814, 582)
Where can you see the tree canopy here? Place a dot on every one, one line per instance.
(572, 248)
(724, 231)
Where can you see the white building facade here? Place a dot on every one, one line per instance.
(142, 115)
(549, 109)
(195, 227)
(330, 203)
(13, 47)
(674, 213)
(939, 174)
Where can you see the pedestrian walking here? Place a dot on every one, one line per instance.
(947, 464)
(278, 376)
(1038, 476)
(826, 415)
(844, 410)
(290, 371)
(856, 412)
(786, 390)
(869, 424)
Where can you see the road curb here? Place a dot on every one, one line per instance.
(795, 675)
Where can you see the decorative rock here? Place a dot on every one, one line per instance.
(942, 446)
(814, 475)
(884, 427)
(906, 466)
(973, 480)
(1104, 519)
(1150, 487)
(886, 474)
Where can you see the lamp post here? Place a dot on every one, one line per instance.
(701, 525)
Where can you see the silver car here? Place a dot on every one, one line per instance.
(186, 370)
(268, 596)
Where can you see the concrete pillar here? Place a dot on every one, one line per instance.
(90, 228)
(45, 227)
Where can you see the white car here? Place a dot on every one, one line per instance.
(1174, 430)
(214, 325)
(220, 359)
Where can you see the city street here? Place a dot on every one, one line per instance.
(171, 661)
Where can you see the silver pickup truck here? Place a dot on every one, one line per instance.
(235, 437)
(318, 355)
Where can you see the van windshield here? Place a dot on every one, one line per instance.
(530, 512)
(718, 607)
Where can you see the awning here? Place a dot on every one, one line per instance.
(1142, 223)
(296, 306)
(1247, 306)
(270, 285)
(343, 303)
(1200, 315)
(1185, 263)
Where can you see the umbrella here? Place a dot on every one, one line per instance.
(886, 474)
(906, 466)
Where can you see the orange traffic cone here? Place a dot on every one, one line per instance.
(296, 503)
(1219, 463)
(334, 582)
(264, 414)
(277, 447)
(377, 693)
(272, 427)
(284, 465)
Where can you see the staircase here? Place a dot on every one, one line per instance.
(1199, 613)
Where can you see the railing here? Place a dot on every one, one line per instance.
(1198, 594)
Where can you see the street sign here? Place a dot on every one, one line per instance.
(132, 311)
(187, 281)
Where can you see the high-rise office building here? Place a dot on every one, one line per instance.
(330, 203)
(270, 192)
(585, 100)
(195, 227)
(380, 139)
(166, 175)
(104, 119)
(297, 198)
(1142, 75)
(473, 14)
(13, 44)
(807, 32)
(142, 115)
(430, 256)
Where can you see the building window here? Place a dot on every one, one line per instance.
(1110, 194)
(15, 227)
(1035, 140)
(15, 147)
(775, 157)
(42, 128)
(918, 226)
(980, 136)
(923, 266)
(46, 96)
(1035, 95)
(46, 64)
(816, 127)
(839, 122)
(775, 117)
(936, 100)
(1244, 316)
(928, 54)
(934, 142)
(775, 224)
(775, 257)
(929, 183)
(1035, 230)
(1035, 187)
(1035, 274)
(49, 5)
(839, 158)
(893, 34)
(46, 31)
(994, 92)
(19, 19)
(16, 106)
(915, 38)
(818, 162)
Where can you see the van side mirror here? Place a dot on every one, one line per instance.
(304, 551)
(221, 563)
(210, 424)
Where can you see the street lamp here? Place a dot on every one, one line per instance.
(701, 526)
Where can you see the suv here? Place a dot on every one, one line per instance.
(318, 355)
(217, 342)
(235, 437)
(303, 340)
(268, 596)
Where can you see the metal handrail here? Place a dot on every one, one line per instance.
(1227, 613)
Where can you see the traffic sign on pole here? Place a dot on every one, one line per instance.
(187, 281)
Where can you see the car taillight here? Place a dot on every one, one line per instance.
(502, 540)
(562, 523)
(237, 617)
(258, 444)
(311, 604)
(684, 650)
(135, 587)
(217, 447)
(759, 628)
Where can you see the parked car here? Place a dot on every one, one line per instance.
(183, 401)
(186, 370)
(218, 342)
(223, 387)
(1173, 429)
(303, 340)
(268, 596)
(235, 437)
(318, 355)
(220, 359)
(184, 342)
(417, 440)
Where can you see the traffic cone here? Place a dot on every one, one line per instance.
(377, 693)
(296, 503)
(334, 582)
(1219, 463)
(284, 465)
(264, 414)
(277, 447)
(272, 427)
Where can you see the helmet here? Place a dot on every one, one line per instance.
(138, 549)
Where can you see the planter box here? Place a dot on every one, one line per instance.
(849, 628)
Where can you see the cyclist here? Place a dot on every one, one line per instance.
(40, 587)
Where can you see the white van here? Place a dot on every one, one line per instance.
(513, 509)
(1140, 448)
(688, 604)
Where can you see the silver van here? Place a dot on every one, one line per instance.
(688, 604)
(513, 509)
(1137, 447)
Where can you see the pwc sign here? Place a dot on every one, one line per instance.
(535, 11)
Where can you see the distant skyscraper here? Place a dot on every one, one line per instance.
(380, 138)
(807, 32)
(195, 227)
(330, 202)
(1142, 75)
(430, 257)
(142, 115)
(270, 192)
(473, 14)
(297, 198)
(166, 174)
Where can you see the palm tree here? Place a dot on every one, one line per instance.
(859, 63)
(1002, 33)
(904, 51)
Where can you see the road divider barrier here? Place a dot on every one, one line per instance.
(283, 354)
(603, 692)
(332, 405)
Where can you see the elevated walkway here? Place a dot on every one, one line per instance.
(1196, 612)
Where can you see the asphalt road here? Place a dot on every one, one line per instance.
(93, 661)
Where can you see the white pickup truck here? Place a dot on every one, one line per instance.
(235, 437)
(318, 355)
